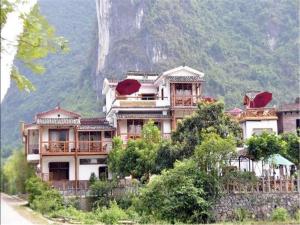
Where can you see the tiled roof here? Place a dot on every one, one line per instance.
(141, 73)
(96, 127)
(58, 110)
(185, 78)
(57, 121)
(93, 121)
(289, 107)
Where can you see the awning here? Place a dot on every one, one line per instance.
(279, 160)
(128, 87)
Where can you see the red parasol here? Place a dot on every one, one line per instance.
(128, 87)
(262, 99)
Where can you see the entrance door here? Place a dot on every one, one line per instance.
(59, 170)
(103, 174)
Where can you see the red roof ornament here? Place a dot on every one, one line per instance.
(128, 87)
(257, 100)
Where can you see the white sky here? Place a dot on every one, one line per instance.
(10, 32)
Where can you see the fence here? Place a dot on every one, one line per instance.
(265, 185)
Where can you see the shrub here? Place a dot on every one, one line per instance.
(92, 179)
(35, 187)
(102, 190)
(241, 214)
(280, 214)
(297, 215)
(111, 215)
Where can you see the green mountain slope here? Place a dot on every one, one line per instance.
(240, 45)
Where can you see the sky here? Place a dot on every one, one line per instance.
(9, 35)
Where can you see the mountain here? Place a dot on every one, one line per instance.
(239, 45)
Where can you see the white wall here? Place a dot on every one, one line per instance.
(248, 126)
(47, 159)
(85, 171)
(167, 126)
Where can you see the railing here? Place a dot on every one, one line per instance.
(33, 149)
(135, 136)
(265, 185)
(191, 100)
(52, 147)
(140, 98)
(257, 113)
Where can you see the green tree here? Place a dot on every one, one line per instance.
(16, 171)
(214, 152)
(37, 41)
(176, 195)
(138, 157)
(261, 147)
(293, 147)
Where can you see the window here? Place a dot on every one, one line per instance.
(148, 96)
(59, 170)
(297, 123)
(89, 140)
(183, 89)
(134, 127)
(162, 94)
(33, 141)
(92, 161)
(103, 173)
(107, 134)
(58, 135)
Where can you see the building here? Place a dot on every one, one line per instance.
(289, 117)
(164, 98)
(66, 148)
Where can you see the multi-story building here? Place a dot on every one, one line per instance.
(66, 148)
(289, 117)
(164, 98)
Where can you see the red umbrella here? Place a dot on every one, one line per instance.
(262, 99)
(128, 87)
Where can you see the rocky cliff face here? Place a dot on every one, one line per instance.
(239, 45)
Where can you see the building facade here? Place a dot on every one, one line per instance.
(65, 148)
(164, 98)
(289, 117)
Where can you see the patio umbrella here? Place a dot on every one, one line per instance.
(262, 99)
(128, 87)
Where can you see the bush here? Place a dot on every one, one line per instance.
(280, 214)
(111, 215)
(35, 187)
(241, 214)
(297, 215)
(102, 190)
(47, 202)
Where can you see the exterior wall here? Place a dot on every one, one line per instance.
(85, 171)
(287, 121)
(47, 159)
(257, 205)
(248, 126)
(123, 129)
(166, 126)
(55, 115)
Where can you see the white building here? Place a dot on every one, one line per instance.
(164, 98)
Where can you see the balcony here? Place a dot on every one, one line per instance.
(140, 101)
(71, 148)
(258, 114)
(185, 101)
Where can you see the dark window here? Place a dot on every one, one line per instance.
(183, 89)
(59, 171)
(92, 161)
(148, 96)
(134, 127)
(103, 173)
(297, 123)
(58, 135)
(162, 94)
(107, 134)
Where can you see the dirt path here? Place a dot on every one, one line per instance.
(13, 212)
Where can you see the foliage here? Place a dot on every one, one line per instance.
(241, 214)
(280, 214)
(92, 179)
(175, 195)
(42, 197)
(102, 190)
(209, 116)
(293, 147)
(214, 152)
(15, 172)
(297, 215)
(242, 177)
(111, 215)
(264, 145)
(139, 156)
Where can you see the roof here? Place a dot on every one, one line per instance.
(277, 159)
(58, 110)
(96, 127)
(185, 78)
(93, 121)
(142, 116)
(141, 73)
(289, 107)
(57, 121)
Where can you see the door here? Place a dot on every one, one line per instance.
(59, 171)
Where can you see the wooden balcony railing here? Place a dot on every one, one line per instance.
(257, 113)
(190, 101)
(61, 147)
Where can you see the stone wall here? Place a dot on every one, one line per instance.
(257, 205)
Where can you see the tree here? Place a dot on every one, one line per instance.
(214, 152)
(261, 147)
(176, 195)
(293, 147)
(139, 156)
(16, 171)
(37, 41)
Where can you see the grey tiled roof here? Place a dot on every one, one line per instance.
(57, 121)
(185, 78)
(96, 127)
